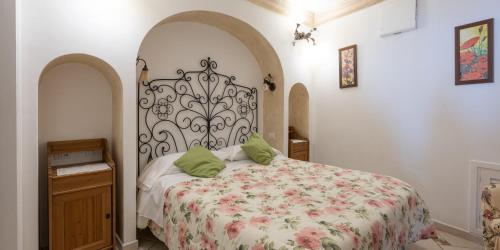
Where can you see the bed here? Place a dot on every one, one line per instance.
(288, 204)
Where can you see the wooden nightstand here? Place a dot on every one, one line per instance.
(81, 196)
(298, 147)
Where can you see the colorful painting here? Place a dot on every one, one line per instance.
(348, 69)
(474, 53)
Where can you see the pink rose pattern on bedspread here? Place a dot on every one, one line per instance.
(294, 205)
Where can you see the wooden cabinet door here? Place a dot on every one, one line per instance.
(300, 155)
(82, 219)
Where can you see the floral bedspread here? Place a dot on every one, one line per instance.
(294, 205)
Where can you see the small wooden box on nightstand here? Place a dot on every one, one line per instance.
(81, 195)
(298, 147)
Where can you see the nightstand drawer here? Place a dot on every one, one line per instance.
(300, 146)
(301, 155)
(66, 184)
(298, 150)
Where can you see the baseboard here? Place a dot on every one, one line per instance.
(132, 245)
(459, 232)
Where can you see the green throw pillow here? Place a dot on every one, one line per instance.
(258, 150)
(200, 162)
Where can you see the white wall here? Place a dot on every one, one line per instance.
(407, 118)
(113, 32)
(8, 144)
(74, 102)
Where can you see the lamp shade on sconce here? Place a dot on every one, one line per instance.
(144, 76)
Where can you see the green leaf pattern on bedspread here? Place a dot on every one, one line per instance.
(292, 204)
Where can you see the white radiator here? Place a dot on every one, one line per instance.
(482, 174)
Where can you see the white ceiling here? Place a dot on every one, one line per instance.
(314, 12)
(318, 5)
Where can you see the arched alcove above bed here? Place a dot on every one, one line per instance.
(238, 49)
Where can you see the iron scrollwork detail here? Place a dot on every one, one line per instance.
(203, 108)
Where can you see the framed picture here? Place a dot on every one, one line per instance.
(474, 53)
(348, 67)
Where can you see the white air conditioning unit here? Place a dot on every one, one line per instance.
(397, 16)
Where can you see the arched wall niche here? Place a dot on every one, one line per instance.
(89, 70)
(112, 78)
(298, 109)
(266, 57)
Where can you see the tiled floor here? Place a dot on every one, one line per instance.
(445, 241)
(147, 241)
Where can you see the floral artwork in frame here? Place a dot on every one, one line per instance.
(348, 67)
(474, 53)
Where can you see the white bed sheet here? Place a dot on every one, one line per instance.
(150, 202)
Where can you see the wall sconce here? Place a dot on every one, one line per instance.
(144, 73)
(303, 36)
(269, 83)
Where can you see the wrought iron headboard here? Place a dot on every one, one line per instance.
(198, 108)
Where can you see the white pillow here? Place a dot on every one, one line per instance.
(221, 154)
(277, 152)
(164, 165)
(160, 166)
(236, 153)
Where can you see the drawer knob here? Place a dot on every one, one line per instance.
(108, 215)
